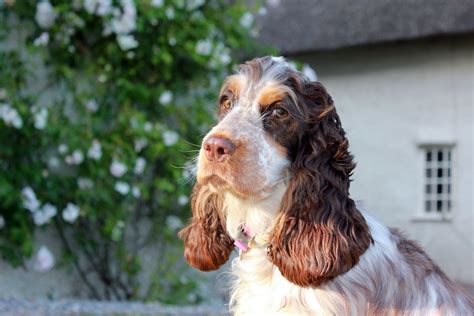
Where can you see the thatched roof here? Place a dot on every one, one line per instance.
(307, 25)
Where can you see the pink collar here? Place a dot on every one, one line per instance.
(246, 241)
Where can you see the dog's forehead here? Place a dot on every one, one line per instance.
(258, 79)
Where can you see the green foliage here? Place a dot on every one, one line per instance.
(97, 123)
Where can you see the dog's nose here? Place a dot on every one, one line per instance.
(218, 148)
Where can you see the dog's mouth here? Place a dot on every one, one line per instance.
(219, 184)
(216, 181)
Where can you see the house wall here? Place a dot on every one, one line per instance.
(392, 97)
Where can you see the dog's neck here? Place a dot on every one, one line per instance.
(257, 216)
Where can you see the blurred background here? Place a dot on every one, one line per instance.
(103, 104)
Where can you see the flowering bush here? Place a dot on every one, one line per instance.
(98, 118)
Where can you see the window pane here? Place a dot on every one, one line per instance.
(439, 205)
(428, 188)
(449, 205)
(439, 188)
(428, 173)
(449, 155)
(449, 188)
(428, 206)
(449, 173)
(428, 155)
(440, 172)
(440, 155)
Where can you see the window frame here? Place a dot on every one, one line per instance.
(421, 213)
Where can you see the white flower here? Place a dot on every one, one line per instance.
(39, 218)
(173, 222)
(157, 3)
(123, 21)
(309, 72)
(172, 41)
(10, 116)
(62, 149)
(90, 6)
(246, 20)
(50, 210)
(194, 4)
(169, 13)
(166, 97)
(44, 215)
(140, 165)
(147, 127)
(95, 152)
(140, 143)
(225, 57)
(99, 7)
(204, 47)
(71, 212)
(170, 138)
(104, 8)
(2, 222)
(76, 158)
(44, 260)
(221, 55)
(136, 192)
(85, 183)
(102, 78)
(42, 40)
(127, 42)
(30, 202)
(45, 14)
(40, 117)
(92, 105)
(122, 187)
(53, 162)
(182, 200)
(117, 168)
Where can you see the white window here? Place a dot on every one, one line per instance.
(438, 183)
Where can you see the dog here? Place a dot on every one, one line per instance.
(273, 180)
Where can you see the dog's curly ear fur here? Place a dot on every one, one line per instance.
(207, 244)
(319, 233)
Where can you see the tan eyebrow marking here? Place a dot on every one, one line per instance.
(232, 84)
(273, 93)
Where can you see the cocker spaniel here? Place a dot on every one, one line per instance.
(273, 180)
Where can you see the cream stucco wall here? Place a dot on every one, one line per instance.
(392, 97)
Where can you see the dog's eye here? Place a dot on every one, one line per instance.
(279, 113)
(226, 104)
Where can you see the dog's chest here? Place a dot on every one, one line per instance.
(255, 290)
(260, 289)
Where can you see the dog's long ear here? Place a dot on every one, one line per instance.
(319, 233)
(207, 245)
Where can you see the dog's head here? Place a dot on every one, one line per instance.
(276, 125)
